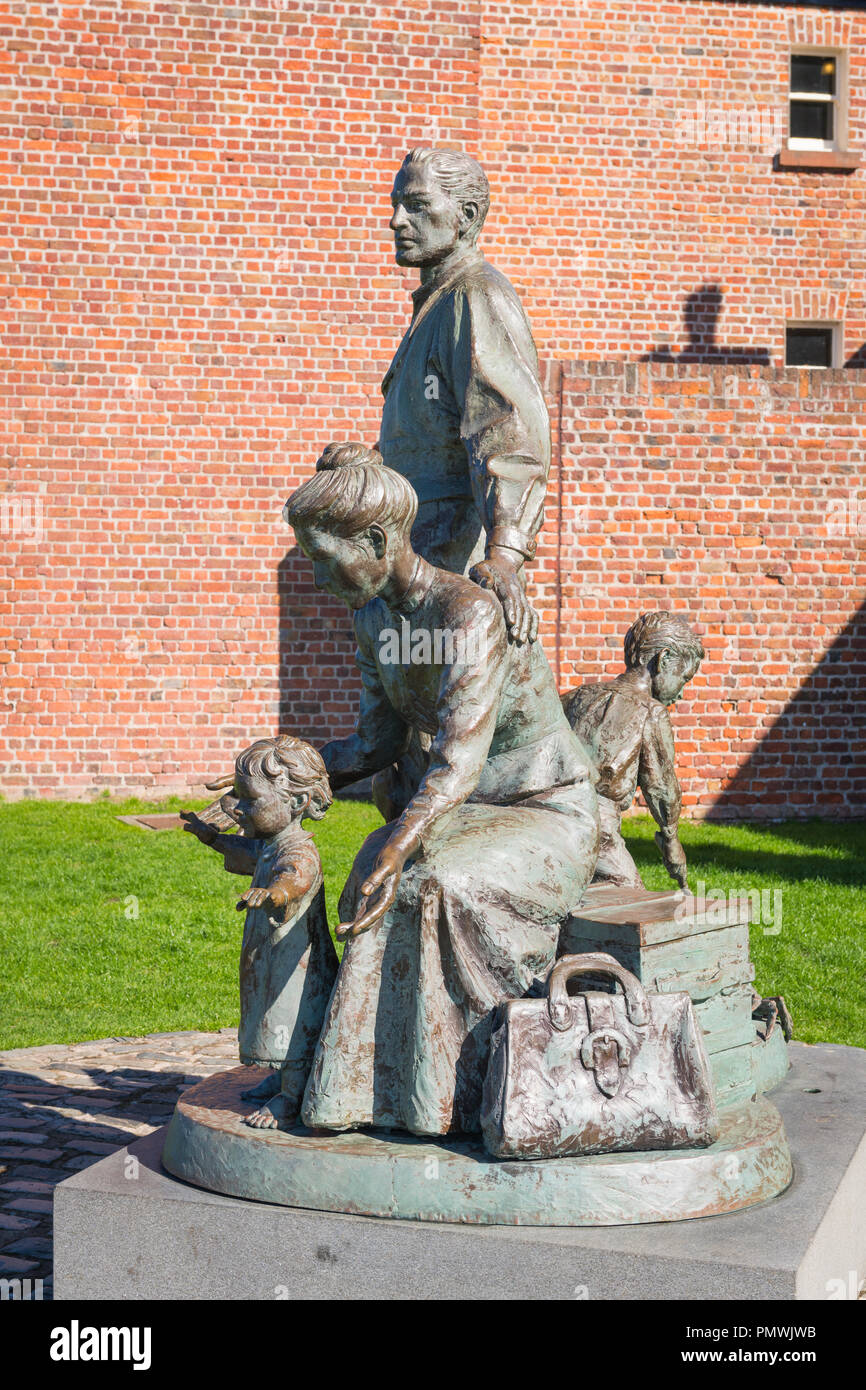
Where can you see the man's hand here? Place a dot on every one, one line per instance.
(674, 857)
(501, 573)
(198, 827)
(377, 892)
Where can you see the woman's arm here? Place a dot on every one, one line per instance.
(380, 736)
(467, 709)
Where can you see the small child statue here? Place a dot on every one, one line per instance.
(288, 962)
(625, 727)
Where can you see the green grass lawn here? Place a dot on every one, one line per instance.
(110, 930)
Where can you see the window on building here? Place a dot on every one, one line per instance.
(812, 344)
(817, 118)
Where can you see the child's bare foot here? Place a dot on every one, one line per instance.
(274, 1115)
(265, 1089)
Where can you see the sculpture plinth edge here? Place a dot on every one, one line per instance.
(401, 1177)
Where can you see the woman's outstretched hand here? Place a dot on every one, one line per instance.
(378, 892)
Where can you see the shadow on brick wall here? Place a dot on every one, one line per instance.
(819, 742)
(317, 691)
(701, 313)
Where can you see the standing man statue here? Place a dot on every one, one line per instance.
(464, 418)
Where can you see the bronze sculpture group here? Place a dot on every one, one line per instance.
(502, 800)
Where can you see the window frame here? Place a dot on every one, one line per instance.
(839, 100)
(837, 352)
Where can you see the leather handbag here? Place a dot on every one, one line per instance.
(596, 1072)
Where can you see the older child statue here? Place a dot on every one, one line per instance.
(624, 725)
(288, 962)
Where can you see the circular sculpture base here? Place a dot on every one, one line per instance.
(374, 1173)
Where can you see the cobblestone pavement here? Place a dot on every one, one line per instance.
(64, 1107)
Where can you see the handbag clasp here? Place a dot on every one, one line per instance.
(605, 1052)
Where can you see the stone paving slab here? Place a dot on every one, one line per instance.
(66, 1106)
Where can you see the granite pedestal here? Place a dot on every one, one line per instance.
(128, 1230)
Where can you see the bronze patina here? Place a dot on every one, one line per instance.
(464, 417)
(625, 726)
(288, 962)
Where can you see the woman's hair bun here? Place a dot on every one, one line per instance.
(351, 490)
(337, 456)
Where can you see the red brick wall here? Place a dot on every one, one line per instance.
(632, 143)
(736, 495)
(200, 293)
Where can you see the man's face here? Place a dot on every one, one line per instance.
(348, 568)
(426, 221)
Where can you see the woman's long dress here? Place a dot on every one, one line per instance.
(507, 817)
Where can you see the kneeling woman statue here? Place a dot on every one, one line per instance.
(455, 905)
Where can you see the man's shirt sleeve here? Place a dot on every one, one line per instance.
(489, 360)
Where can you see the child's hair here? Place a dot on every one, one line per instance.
(652, 633)
(352, 489)
(293, 765)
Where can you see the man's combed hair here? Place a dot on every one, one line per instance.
(458, 174)
(652, 633)
(352, 489)
(294, 765)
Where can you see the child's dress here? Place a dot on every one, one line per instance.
(287, 969)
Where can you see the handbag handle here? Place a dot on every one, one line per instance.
(593, 963)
